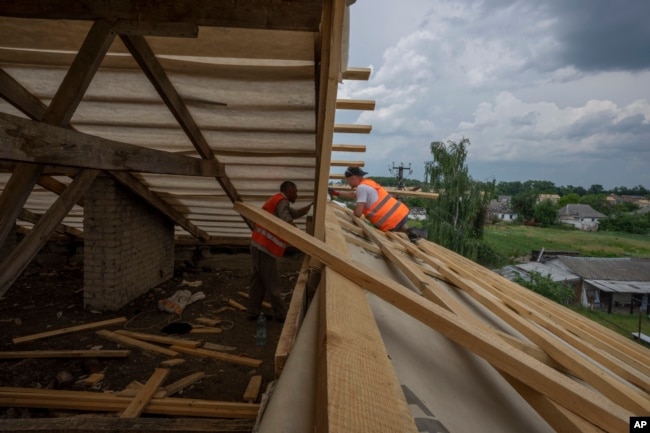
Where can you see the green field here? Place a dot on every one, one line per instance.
(517, 241)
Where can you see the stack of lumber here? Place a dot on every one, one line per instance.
(574, 374)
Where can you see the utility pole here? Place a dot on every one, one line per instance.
(400, 173)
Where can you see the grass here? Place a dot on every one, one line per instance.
(623, 323)
(517, 241)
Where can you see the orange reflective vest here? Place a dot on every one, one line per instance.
(265, 238)
(387, 211)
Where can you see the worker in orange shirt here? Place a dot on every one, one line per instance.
(375, 203)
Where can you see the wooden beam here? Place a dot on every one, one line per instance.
(132, 342)
(30, 141)
(14, 196)
(254, 14)
(34, 354)
(144, 396)
(182, 383)
(19, 97)
(99, 401)
(145, 57)
(361, 74)
(241, 360)
(97, 424)
(352, 129)
(348, 148)
(33, 218)
(27, 249)
(70, 329)
(155, 28)
(347, 163)
(328, 51)
(589, 404)
(352, 104)
(351, 347)
(253, 389)
(162, 339)
(81, 72)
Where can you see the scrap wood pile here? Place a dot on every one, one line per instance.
(577, 375)
(151, 397)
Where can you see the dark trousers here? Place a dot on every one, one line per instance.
(265, 278)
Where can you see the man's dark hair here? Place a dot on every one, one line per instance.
(287, 185)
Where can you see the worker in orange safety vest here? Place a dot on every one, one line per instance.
(265, 247)
(375, 203)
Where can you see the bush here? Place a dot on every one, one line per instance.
(545, 286)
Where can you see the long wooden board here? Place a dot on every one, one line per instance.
(68, 330)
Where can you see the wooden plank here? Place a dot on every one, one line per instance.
(144, 396)
(70, 329)
(265, 304)
(33, 218)
(172, 362)
(254, 14)
(111, 424)
(208, 321)
(236, 305)
(206, 330)
(128, 341)
(352, 104)
(574, 396)
(352, 129)
(555, 343)
(370, 398)
(295, 314)
(35, 142)
(220, 356)
(159, 338)
(92, 380)
(253, 389)
(361, 74)
(33, 354)
(182, 383)
(348, 148)
(104, 402)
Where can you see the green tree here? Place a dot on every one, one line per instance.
(597, 202)
(545, 213)
(570, 198)
(457, 217)
(524, 205)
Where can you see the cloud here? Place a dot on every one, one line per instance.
(510, 76)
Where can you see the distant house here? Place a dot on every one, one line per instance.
(581, 216)
(644, 210)
(611, 282)
(418, 213)
(552, 197)
(500, 209)
(637, 199)
(601, 283)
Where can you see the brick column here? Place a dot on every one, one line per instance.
(128, 246)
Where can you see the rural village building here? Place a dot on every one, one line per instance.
(581, 216)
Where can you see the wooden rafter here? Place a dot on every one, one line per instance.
(255, 14)
(577, 398)
(142, 53)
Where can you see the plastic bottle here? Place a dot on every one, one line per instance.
(260, 333)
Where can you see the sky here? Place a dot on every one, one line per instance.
(551, 90)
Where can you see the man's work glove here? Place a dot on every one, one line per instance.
(333, 192)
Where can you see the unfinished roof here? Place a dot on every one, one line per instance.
(191, 104)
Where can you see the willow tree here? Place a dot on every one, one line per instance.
(457, 217)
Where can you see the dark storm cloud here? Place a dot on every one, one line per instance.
(602, 34)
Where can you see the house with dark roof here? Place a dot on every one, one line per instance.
(611, 282)
(500, 209)
(581, 216)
